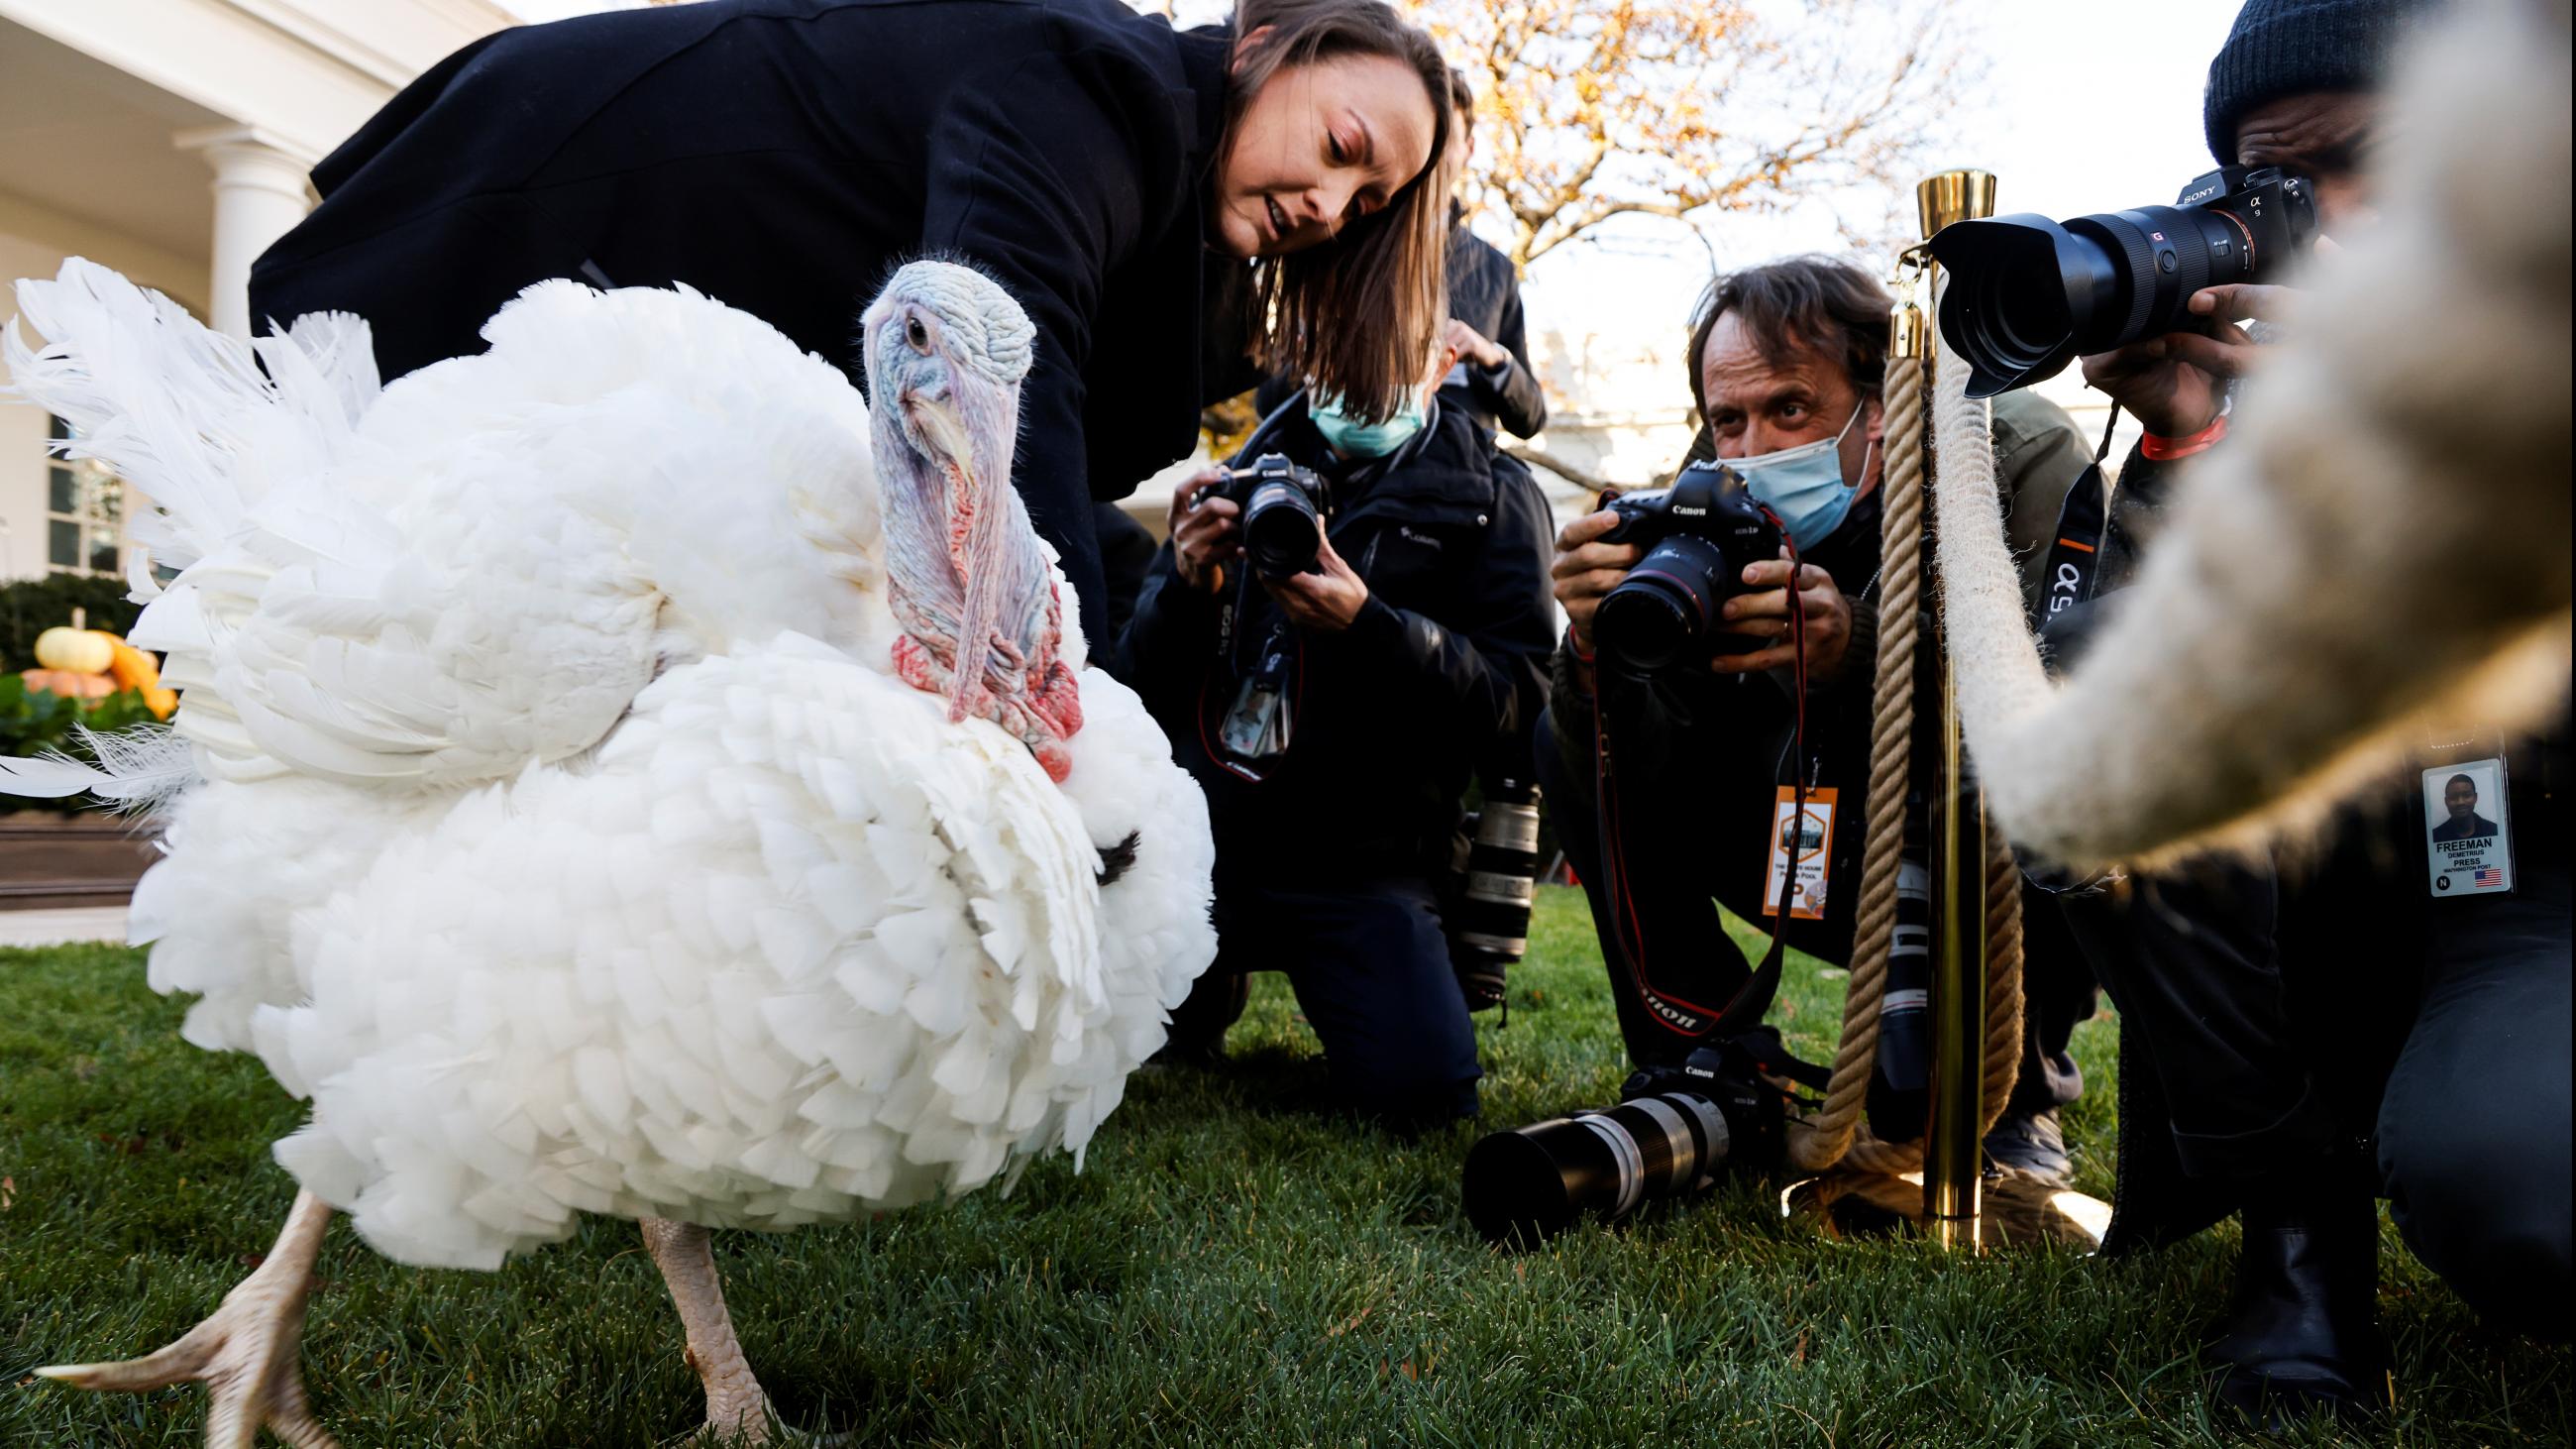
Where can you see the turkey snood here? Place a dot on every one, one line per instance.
(983, 627)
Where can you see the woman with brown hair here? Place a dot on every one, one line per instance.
(783, 156)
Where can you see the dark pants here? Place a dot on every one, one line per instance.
(1371, 971)
(2191, 960)
(1696, 840)
(2247, 1017)
(2474, 1130)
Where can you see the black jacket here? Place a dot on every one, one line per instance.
(1441, 674)
(1485, 294)
(784, 156)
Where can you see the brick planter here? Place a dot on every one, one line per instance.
(52, 861)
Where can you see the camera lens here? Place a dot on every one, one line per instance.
(1281, 530)
(1494, 915)
(1530, 1184)
(2027, 295)
(1662, 612)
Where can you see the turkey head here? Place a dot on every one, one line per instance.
(983, 628)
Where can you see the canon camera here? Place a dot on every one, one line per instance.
(1283, 514)
(1699, 535)
(1670, 1132)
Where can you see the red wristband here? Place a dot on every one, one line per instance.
(1581, 654)
(2165, 450)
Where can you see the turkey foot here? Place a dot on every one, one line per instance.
(245, 1352)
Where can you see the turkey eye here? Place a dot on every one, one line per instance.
(916, 334)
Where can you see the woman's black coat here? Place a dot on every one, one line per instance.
(784, 156)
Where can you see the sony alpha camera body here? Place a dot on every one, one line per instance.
(1283, 508)
(2027, 294)
(1699, 534)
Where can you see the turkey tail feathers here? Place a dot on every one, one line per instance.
(137, 769)
(185, 414)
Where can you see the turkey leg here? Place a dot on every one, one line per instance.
(245, 1352)
(736, 1407)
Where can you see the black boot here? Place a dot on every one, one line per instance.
(2303, 1334)
(1196, 1037)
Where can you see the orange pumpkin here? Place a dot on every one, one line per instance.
(131, 668)
(68, 684)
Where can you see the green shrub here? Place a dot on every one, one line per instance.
(36, 721)
(31, 606)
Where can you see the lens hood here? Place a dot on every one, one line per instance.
(2022, 289)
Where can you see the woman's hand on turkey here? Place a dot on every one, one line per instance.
(1585, 569)
(1765, 615)
(1207, 533)
(1324, 602)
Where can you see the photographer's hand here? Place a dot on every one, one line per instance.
(1585, 569)
(1206, 535)
(1765, 615)
(1474, 346)
(1325, 603)
(2174, 385)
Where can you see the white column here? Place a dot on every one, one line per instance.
(259, 196)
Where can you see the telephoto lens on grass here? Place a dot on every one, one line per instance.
(2027, 295)
(1673, 1128)
(1492, 932)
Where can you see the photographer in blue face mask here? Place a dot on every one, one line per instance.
(1787, 362)
(1334, 715)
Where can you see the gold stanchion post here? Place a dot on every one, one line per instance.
(1951, 1140)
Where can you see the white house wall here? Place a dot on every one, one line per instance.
(117, 115)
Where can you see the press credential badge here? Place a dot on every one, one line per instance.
(2469, 828)
(1813, 842)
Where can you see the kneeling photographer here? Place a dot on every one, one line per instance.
(1669, 777)
(1346, 622)
(2384, 1012)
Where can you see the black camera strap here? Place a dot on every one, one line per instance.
(2075, 551)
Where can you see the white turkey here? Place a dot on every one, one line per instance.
(619, 773)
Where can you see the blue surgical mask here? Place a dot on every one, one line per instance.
(1348, 435)
(1804, 485)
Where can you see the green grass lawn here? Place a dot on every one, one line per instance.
(1228, 1270)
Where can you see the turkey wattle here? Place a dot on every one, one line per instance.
(556, 801)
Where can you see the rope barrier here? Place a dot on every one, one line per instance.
(1835, 1134)
(1817, 1143)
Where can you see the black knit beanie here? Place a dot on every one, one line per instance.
(2292, 47)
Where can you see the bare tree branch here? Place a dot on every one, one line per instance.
(1691, 109)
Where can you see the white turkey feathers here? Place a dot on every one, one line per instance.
(565, 835)
(790, 947)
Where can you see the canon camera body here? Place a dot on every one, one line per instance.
(1699, 536)
(1283, 507)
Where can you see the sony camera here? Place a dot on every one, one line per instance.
(2027, 294)
(1700, 533)
(1283, 514)
(1668, 1135)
